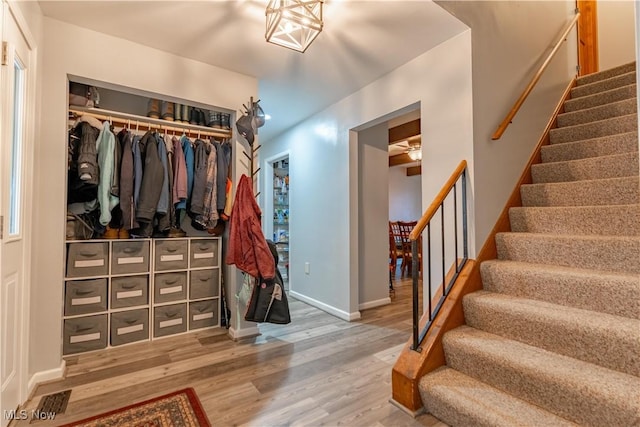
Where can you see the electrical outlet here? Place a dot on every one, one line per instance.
(307, 268)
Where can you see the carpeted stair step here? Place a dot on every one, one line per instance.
(605, 146)
(606, 253)
(614, 166)
(460, 400)
(608, 220)
(606, 292)
(612, 126)
(602, 339)
(601, 98)
(606, 74)
(610, 191)
(601, 112)
(586, 89)
(579, 391)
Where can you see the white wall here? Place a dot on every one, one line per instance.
(324, 165)
(616, 33)
(71, 50)
(405, 203)
(511, 39)
(373, 156)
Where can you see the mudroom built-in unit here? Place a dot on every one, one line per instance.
(146, 189)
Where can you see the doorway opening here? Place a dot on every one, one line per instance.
(277, 212)
(389, 189)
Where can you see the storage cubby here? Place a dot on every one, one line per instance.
(106, 304)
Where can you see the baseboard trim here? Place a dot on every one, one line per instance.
(238, 334)
(373, 304)
(406, 410)
(326, 307)
(44, 376)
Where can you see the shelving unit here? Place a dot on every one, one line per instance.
(106, 294)
(281, 216)
(123, 291)
(129, 290)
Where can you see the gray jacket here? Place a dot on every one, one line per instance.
(152, 178)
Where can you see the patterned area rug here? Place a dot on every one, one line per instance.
(178, 409)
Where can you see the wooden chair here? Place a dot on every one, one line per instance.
(395, 245)
(407, 259)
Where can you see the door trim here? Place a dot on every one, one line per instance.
(11, 10)
(588, 59)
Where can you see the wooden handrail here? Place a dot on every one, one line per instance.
(507, 120)
(433, 208)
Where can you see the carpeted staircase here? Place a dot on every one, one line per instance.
(553, 339)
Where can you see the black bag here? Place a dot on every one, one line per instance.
(268, 301)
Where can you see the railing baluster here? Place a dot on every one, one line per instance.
(464, 214)
(414, 281)
(429, 267)
(455, 223)
(444, 274)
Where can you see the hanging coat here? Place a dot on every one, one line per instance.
(248, 249)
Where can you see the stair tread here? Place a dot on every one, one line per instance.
(599, 112)
(609, 166)
(602, 208)
(599, 191)
(569, 237)
(533, 359)
(588, 88)
(595, 123)
(610, 292)
(614, 71)
(481, 404)
(603, 220)
(601, 98)
(556, 270)
(601, 128)
(615, 253)
(589, 148)
(571, 315)
(588, 160)
(573, 183)
(603, 339)
(578, 390)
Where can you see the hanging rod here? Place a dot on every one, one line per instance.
(133, 121)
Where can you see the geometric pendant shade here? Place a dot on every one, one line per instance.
(293, 24)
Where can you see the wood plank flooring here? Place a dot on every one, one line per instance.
(318, 370)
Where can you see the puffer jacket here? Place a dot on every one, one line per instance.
(88, 155)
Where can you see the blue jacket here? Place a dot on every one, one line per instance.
(190, 161)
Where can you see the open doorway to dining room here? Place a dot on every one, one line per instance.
(405, 191)
(389, 189)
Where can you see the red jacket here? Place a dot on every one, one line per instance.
(248, 249)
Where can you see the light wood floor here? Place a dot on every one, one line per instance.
(318, 370)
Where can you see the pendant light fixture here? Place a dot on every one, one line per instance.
(293, 23)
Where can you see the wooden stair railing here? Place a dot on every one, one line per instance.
(411, 365)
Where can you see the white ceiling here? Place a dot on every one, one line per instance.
(361, 41)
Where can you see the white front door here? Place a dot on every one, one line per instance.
(13, 145)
